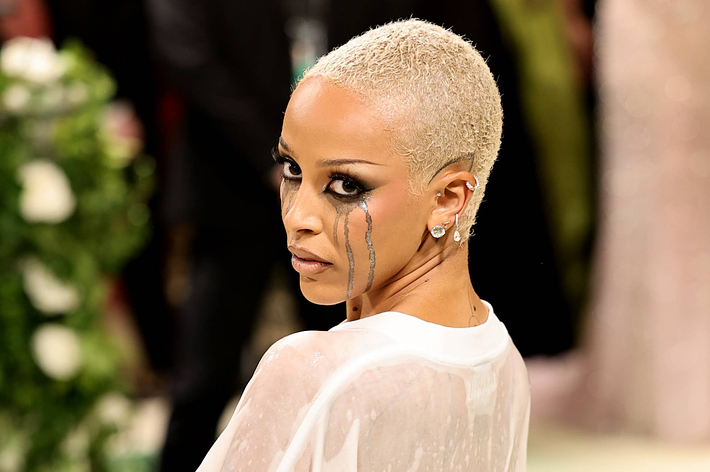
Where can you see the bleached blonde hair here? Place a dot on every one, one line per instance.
(437, 92)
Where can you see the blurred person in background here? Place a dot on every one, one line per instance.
(646, 338)
(229, 62)
(533, 238)
(117, 32)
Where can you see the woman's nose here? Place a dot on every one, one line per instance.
(301, 211)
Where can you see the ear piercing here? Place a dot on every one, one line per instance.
(438, 231)
(457, 235)
(468, 185)
(471, 187)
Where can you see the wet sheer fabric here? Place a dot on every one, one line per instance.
(389, 392)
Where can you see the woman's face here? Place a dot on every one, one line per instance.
(351, 222)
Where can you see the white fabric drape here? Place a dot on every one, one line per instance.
(389, 392)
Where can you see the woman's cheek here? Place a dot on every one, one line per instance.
(367, 234)
(372, 239)
(396, 235)
(344, 217)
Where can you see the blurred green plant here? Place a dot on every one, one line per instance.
(73, 193)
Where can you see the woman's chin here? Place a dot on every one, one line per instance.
(321, 294)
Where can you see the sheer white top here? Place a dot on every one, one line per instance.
(389, 392)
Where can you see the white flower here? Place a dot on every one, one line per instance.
(76, 442)
(47, 293)
(144, 433)
(56, 350)
(15, 98)
(11, 460)
(113, 408)
(12, 455)
(46, 195)
(32, 59)
(13, 56)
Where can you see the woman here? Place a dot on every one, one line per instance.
(386, 147)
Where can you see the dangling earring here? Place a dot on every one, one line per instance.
(457, 235)
(438, 231)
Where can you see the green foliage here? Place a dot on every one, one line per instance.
(62, 122)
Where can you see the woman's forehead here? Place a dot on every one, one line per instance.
(327, 121)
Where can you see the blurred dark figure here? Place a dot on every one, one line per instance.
(117, 32)
(512, 261)
(230, 63)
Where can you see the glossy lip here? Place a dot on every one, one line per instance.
(305, 255)
(307, 263)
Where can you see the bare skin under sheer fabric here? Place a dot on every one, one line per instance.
(389, 392)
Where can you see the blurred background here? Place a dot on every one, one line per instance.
(135, 166)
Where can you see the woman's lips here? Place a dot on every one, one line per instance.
(307, 263)
(308, 267)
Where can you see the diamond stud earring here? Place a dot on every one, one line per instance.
(438, 231)
(457, 235)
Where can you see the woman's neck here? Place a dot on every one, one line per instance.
(434, 287)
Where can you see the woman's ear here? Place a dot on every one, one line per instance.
(451, 195)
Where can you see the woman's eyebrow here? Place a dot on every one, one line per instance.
(339, 162)
(329, 162)
(284, 145)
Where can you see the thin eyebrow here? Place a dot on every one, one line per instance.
(339, 162)
(284, 145)
(330, 162)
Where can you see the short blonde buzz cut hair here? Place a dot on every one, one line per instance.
(435, 90)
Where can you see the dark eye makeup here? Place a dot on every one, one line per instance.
(341, 185)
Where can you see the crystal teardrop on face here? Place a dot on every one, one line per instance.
(457, 236)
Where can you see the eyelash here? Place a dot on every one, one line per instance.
(334, 176)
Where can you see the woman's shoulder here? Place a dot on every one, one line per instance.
(315, 355)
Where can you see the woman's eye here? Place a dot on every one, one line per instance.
(345, 188)
(291, 170)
